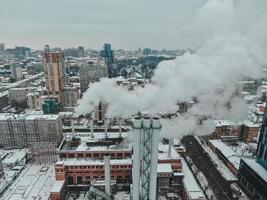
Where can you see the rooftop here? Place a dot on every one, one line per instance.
(99, 143)
(230, 154)
(35, 182)
(190, 183)
(6, 116)
(164, 155)
(261, 171)
(164, 168)
(219, 123)
(88, 162)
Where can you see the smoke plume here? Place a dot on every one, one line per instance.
(229, 37)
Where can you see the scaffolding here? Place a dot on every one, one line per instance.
(43, 153)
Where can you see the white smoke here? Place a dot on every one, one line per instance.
(230, 38)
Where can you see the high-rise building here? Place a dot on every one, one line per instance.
(16, 71)
(34, 100)
(55, 73)
(91, 71)
(46, 48)
(80, 51)
(252, 174)
(22, 130)
(71, 95)
(108, 54)
(51, 105)
(2, 47)
(147, 51)
(262, 143)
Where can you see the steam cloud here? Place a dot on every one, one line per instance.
(231, 44)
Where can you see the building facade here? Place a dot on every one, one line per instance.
(55, 73)
(71, 95)
(249, 132)
(21, 130)
(17, 96)
(34, 101)
(262, 143)
(252, 174)
(91, 71)
(16, 71)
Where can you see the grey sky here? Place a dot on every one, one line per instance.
(128, 24)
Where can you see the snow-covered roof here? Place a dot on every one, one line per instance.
(164, 168)
(57, 186)
(232, 156)
(88, 161)
(260, 170)
(13, 156)
(220, 123)
(35, 182)
(192, 187)
(6, 116)
(163, 152)
(250, 124)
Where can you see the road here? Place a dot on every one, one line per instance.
(217, 183)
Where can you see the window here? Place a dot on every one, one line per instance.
(79, 180)
(70, 180)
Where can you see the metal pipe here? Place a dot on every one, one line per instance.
(156, 126)
(106, 128)
(170, 148)
(107, 175)
(72, 127)
(136, 157)
(120, 135)
(92, 127)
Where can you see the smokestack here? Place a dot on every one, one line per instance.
(107, 175)
(170, 148)
(136, 172)
(92, 127)
(106, 127)
(156, 126)
(145, 157)
(72, 127)
(120, 127)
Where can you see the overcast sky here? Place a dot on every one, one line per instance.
(127, 24)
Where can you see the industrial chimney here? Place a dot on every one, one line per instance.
(120, 121)
(145, 157)
(92, 127)
(107, 175)
(106, 127)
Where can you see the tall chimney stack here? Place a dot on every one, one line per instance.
(120, 121)
(106, 127)
(107, 175)
(170, 148)
(92, 127)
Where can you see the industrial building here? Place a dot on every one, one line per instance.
(24, 129)
(82, 165)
